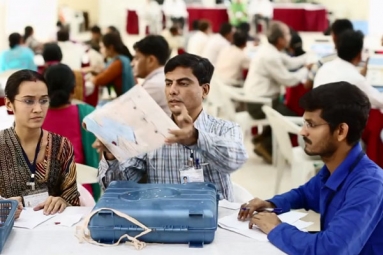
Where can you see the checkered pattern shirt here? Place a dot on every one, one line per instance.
(220, 145)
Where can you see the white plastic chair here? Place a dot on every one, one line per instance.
(86, 198)
(302, 166)
(241, 195)
(229, 93)
(86, 174)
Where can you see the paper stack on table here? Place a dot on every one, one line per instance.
(30, 219)
(232, 223)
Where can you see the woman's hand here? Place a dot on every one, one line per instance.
(19, 206)
(52, 205)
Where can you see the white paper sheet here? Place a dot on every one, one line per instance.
(231, 223)
(229, 205)
(130, 125)
(30, 219)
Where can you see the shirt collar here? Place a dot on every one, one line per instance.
(341, 172)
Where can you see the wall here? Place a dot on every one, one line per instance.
(90, 6)
(351, 9)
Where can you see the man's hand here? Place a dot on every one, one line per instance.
(187, 134)
(52, 205)
(19, 206)
(309, 66)
(364, 70)
(246, 211)
(101, 148)
(266, 221)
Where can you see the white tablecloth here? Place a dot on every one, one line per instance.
(51, 239)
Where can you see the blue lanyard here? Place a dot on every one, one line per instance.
(32, 166)
(331, 197)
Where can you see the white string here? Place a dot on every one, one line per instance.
(83, 232)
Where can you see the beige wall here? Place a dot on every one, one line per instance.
(91, 6)
(351, 9)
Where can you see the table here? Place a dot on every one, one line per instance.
(48, 239)
(302, 17)
(217, 16)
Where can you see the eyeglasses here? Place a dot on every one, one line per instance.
(44, 102)
(309, 125)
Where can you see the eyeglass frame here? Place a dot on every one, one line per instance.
(33, 103)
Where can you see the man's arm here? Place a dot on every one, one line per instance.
(278, 71)
(113, 170)
(293, 63)
(225, 152)
(347, 232)
(374, 95)
(304, 197)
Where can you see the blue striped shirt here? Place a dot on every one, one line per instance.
(220, 144)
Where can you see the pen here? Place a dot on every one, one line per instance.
(274, 210)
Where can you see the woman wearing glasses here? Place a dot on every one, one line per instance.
(36, 166)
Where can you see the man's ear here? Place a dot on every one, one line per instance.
(342, 132)
(205, 90)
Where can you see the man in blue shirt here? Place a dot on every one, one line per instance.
(18, 56)
(347, 192)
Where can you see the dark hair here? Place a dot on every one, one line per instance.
(113, 29)
(225, 29)
(63, 35)
(296, 44)
(201, 67)
(174, 30)
(61, 83)
(244, 27)
(52, 52)
(14, 40)
(112, 39)
(28, 31)
(340, 102)
(13, 83)
(95, 30)
(349, 44)
(203, 25)
(154, 45)
(239, 39)
(341, 25)
(195, 24)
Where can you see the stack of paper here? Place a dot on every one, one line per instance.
(30, 219)
(232, 223)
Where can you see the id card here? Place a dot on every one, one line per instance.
(33, 200)
(191, 175)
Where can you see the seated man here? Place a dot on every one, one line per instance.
(152, 52)
(214, 142)
(348, 190)
(344, 67)
(231, 72)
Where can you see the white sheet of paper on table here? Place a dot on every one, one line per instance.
(229, 205)
(232, 223)
(130, 125)
(30, 219)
